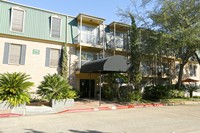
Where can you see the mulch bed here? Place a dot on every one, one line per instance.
(39, 104)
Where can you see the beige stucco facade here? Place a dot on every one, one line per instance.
(34, 63)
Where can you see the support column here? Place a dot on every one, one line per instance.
(80, 51)
(103, 41)
(114, 38)
(80, 42)
(100, 89)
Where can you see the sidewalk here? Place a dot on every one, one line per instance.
(79, 106)
(84, 105)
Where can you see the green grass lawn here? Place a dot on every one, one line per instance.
(178, 100)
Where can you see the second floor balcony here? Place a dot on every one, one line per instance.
(88, 39)
(118, 41)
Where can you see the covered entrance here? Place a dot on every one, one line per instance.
(87, 88)
(112, 64)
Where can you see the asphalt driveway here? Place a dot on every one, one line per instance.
(166, 119)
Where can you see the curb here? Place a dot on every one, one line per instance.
(105, 108)
(110, 108)
(9, 115)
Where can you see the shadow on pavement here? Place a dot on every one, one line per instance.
(87, 131)
(33, 131)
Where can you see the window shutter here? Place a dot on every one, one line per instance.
(23, 55)
(47, 58)
(60, 58)
(6, 53)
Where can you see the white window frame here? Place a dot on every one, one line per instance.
(57, 17)
(10, 52)
(50, 57)
(11, 22)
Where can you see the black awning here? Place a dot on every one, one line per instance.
(115, 64)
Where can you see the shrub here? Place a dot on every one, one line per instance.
(109, 93)
(134, 96)
(14, 88)
(162, 92)
(55, 87)
(176, 94)
(71, 94)
(154, 92)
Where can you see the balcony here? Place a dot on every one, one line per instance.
(117, 42)
(88, 39)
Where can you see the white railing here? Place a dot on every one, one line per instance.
(93, 39)
(116, 41)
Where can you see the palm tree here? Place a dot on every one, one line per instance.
(54, 87)
(14, 88)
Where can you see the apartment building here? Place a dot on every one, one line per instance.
(31, 41)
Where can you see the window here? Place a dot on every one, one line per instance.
(53, 57)
(193, 70)
(14, 54)
(55, 27)
(17, 19)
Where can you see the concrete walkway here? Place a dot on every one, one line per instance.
(79, 106)
(83, 105)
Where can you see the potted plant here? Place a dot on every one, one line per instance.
(14, 89)
(57, 90)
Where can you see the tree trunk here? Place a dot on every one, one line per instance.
(191, 93)
(180, 75)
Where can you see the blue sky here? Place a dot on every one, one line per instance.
(106, 9)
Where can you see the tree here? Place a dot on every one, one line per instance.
(134, 70)
(144, 42)
(14, 88)
(64, 71)
(179, 21)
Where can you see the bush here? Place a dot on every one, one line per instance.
(154, 92)
(14, 88)
(134, 96)
(162, 92)
(176, 94)
(109, 93)
(55, 87)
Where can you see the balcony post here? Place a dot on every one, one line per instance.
(81, 24)
(114, 37)
(103, 41)
(80, 49)
(80, 55)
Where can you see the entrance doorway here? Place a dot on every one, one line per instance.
(87, 88)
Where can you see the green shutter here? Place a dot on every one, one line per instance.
(6, 53)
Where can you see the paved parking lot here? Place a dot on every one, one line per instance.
(166, 119)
